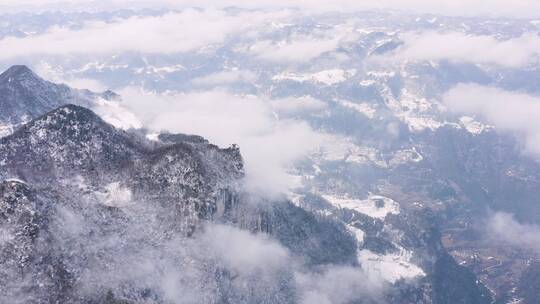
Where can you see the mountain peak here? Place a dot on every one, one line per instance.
(68, 122)
(17, 72)
(69, 115)
(25, 95)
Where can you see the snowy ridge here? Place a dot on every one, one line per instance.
(326, 77)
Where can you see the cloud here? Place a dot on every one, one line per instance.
(243, 251)
(86, 83)
(216, 259)
(261, 258)
(175, 268)
(192, 29)
(225, 78)
(520, 8)
(503, 227)
(297, 49)
(298, 105)
(57, 75)
(507, 111)
(165, 34)
(268, 144)
(460, 47)
(338, 285)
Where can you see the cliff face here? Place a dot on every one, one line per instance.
(82, 203)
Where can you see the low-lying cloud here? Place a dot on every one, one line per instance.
(290, 106)
(503, 227)
(507, 111)
(224, 78)
(268, 144)
(218, 261)
(297, 50)
(475, 49)
(57, 75)
(191, 29)
(174, 32)
(338, 285)
(522, 8)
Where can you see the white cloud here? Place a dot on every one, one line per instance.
(460, 47)
(338, 285)
(192, 29)
(243, 251)
(293, 106)
(268, 144)
(504, 228)
(298, 49)
(507, 111)
(86, 83)
(226, 77)
(57, 75)
(518, 8)
(170, 33)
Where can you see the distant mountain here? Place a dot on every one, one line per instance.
(409, 179)
(24, 96)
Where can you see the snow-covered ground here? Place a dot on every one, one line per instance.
(376, 206)
(473, 126)
(326, 77)
(6, 130)
(391, 267)
(362, 107)
(338, 148)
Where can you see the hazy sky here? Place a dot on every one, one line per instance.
(515, 8)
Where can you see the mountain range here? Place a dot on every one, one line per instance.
(93, 214)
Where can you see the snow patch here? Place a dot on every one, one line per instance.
(5, 236)
(391, 267)
(472, 126)
(6, 130)
(357, 233)
(337, 148)
(405, 156)
(367, 82)
(418, 124)
(412, 110)
(381, 74)
(375, 206)
(152, 136)
(327, 77)
(363, 108)
(15, 180)
(115, 195)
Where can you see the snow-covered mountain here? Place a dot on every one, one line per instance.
(397, 190)
(26, 96)
(91, 213)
